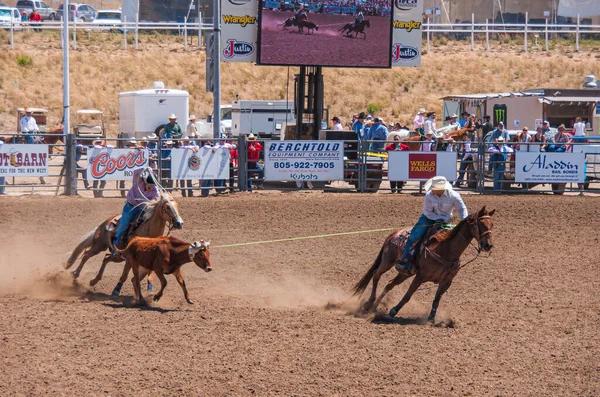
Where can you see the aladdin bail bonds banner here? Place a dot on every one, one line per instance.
(204, 164)
(304, 161)
(549, 167)
(110, 164)
(23, 160)
(407, 25)
(421, 166)
(239, 30)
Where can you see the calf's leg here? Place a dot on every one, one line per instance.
(163, 285)
(179, 277)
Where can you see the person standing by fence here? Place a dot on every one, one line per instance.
(189, 145)
(419, 122)
(396, 145)
(499, 152)
(254, 168)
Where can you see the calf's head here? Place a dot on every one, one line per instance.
(200, 254)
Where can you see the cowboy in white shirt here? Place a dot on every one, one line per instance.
(429, 125)
(29, 126)
(440, 200)
(337, 126)
(191, 130)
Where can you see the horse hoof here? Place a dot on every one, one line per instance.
(191, 302)
(94, 282)
(393, 313)
(367, 306)
(157, 297)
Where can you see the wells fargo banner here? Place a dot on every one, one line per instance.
(203, 164)
(23, 160)
(542, 167)
(112, 164)
(421, 166)
(407, 25)
(239, 30)
(304, 161)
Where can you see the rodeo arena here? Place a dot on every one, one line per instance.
(316, 253)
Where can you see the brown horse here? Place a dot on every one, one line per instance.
(414, 142)
(159, 213)
(439, 262)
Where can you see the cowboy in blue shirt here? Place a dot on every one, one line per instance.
(379, 133)
(359, 125)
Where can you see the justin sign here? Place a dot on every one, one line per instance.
(419, 166)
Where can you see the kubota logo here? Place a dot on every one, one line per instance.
(103, 164)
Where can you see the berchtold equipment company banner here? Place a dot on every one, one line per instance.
(304, 161)
(549, 167)
(407, 25)
(23, 160)
(112, 164)
(239, 30)
(421, 166)
(203, 164)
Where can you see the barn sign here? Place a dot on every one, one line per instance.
(23, 160)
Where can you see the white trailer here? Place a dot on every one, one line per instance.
(261, 117)
(146, 111)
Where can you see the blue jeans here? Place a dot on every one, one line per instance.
(129, 213)
(206, 185)
(2, 185)
(252, 169)
(498, 177)
(463, 168)
(28, 138)
(418, 231)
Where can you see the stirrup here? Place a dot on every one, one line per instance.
(405, 267)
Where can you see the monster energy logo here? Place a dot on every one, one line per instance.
(500, 114)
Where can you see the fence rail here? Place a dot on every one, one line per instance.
(474, 31)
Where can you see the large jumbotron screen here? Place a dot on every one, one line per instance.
(346, 33)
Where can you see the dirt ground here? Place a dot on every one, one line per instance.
(271, 319)
(325, 46)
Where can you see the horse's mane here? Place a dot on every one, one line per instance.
(451, 233)
(152, 205)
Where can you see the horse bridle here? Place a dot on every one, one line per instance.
(475, 230)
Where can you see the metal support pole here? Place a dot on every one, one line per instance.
(199, 28)
(74, 33)
(577, 35)
(525, 32)
(185, 44)
(125, 32)
(363, 148)
(472, 31)
(62, 34)
(137, 21)
(217, 79)
(300, 101)
(66, 92)
(242, 163)
(428, 33)
(12, 34)
(70, 166)
(487, 35)
(546, 34)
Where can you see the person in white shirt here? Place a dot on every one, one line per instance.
(427, 145)
(191, 130)
(29, 126)
(429, 124)
(337, 126)
(220, 183)
(186, 143)
(579, 128)
(419, 122)
(440, 201)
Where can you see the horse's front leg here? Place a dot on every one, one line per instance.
(88, 254)
(179, 277)
(442, 288)
(411, 290)
(117, 290)
(107, 258)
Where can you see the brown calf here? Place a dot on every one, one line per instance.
(164, 255)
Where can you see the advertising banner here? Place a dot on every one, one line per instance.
(23, 160)
(204, 164)
(110, 164)
(239, 30)
(407, 24)
(304, 161)
(549, 167)
(421, 166)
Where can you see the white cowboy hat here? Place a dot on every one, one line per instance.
(168, 142)
(438, 183)
(454, 116)
(172, 117)
(131, 142)
(422, 110)
(192, 117)
(152, 136)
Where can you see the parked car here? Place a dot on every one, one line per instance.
(107, 19)
(8, 14)
(41, 7)
(78, 11)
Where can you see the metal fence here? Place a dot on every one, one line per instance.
(473, 31)
(364, 170)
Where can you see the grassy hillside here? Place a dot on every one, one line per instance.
(32, 75)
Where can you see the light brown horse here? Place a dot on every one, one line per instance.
(439, 263)
(159, 213)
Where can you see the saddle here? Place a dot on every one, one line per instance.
(113, 225)
(420, 246)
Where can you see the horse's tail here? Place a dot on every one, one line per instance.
(360, 287)
(87, 242)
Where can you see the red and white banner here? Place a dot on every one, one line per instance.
(421, 166)
(111, 164)
(23, 160)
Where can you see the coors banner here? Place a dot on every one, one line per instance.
(114, 164)
(407, 25)
(238, 30)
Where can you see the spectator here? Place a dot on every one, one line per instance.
(172, 129)
(447, 121)
(499, 152)
(35, 17)
(337, 126)
(359, 126)
(220, 183)
(165, 164)
(579, 128)
(2, 178)
(540, 138)
(29, 127)
(486, 127)
(191, 131)
(186, 143)
(396, 186)
(207, 183)
(80, 150)
(464, 118)
(522, 137)
(254, 149)
(98, 185)
(500, 132)
(428, 144)
(378, 134)
(471, 126)
(560, 140)
(354, 120)
(152, 147)
(547, 132)
(454, 121)
(233, 164)
(24, 17)
(430, 124)
(419, 122)
(466, 162)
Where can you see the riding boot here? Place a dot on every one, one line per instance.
(404, 266)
